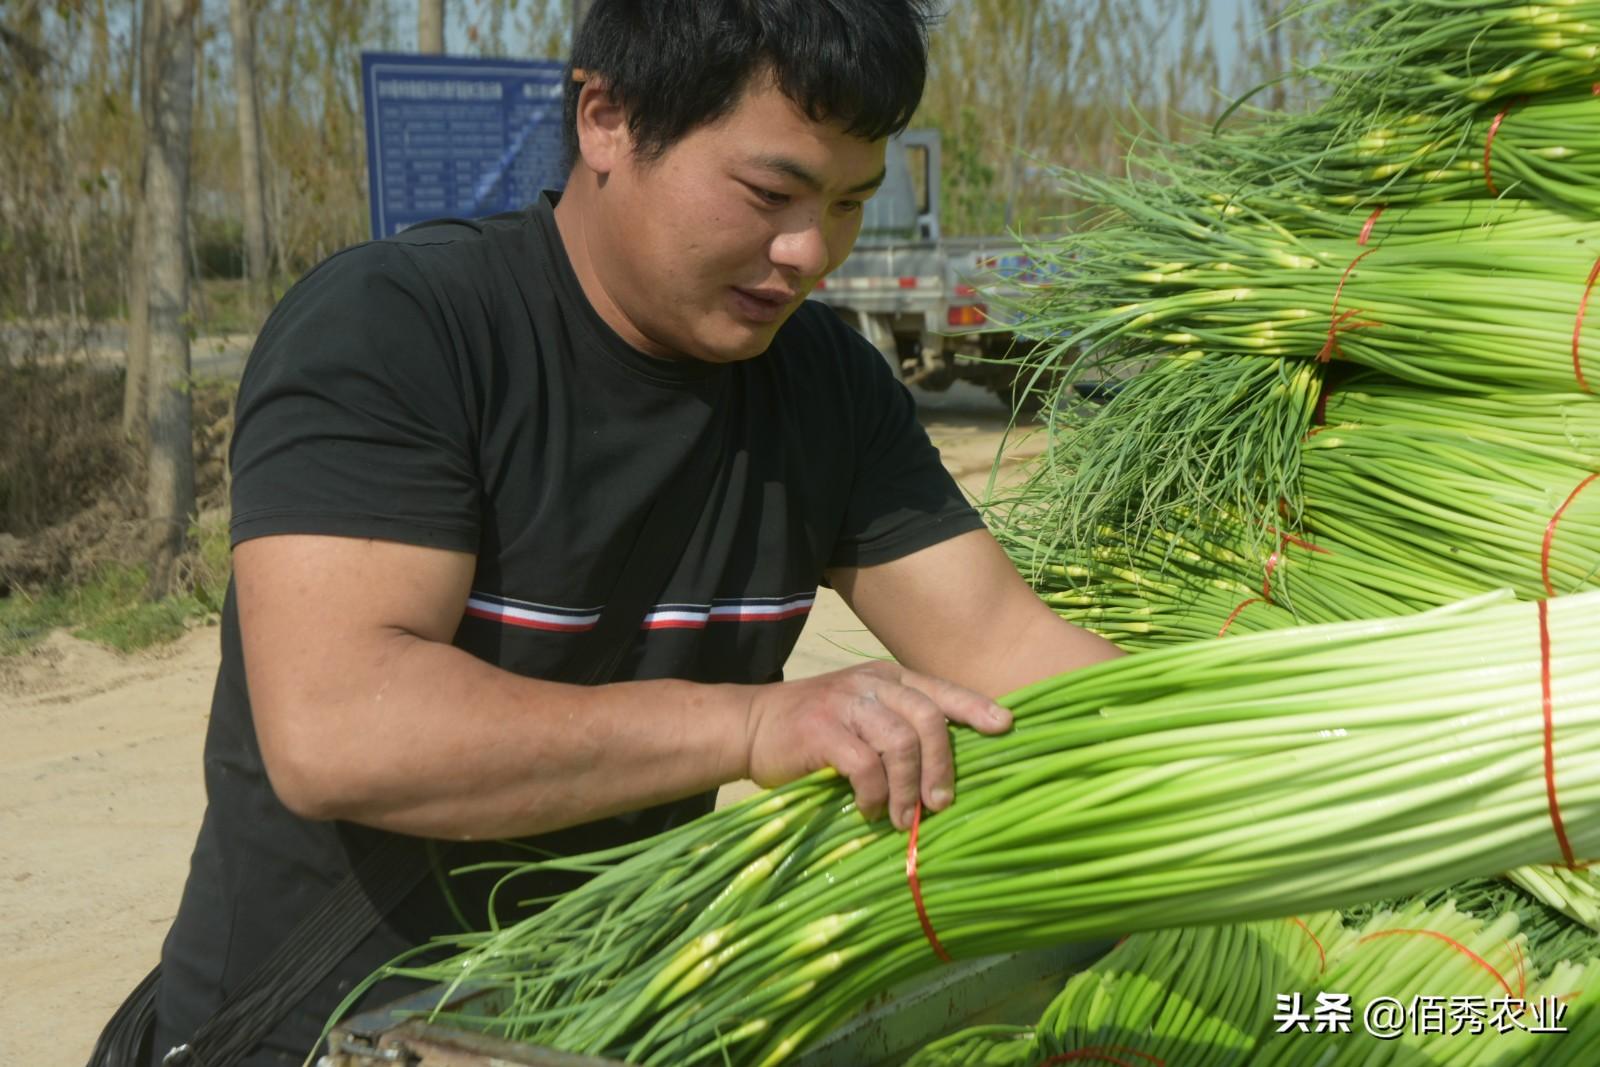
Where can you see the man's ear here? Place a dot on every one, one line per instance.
(603, 137)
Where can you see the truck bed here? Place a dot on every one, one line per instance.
(1012, 989)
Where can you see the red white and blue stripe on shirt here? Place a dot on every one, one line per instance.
(532, 616)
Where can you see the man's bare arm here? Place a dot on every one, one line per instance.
(366, 712)
(958, 609)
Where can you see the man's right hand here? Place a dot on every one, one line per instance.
(883, 727)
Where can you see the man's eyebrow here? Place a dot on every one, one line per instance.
(786, 166)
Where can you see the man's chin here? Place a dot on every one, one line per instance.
(735, 345)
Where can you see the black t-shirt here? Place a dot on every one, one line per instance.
(453, 387)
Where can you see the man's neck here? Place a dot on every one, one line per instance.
(573, 212)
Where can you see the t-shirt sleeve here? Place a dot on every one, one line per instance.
(901, 497)
(352, 417)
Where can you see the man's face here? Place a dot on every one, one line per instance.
(708, 249)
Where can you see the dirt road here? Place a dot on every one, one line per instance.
(100, 789)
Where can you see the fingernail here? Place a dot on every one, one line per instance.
(906, 817)
(940, 798)
(1000, 715)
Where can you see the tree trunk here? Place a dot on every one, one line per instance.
(137, 342)
(100, 54)
(134, 420)
(199, 80)
(1019, 117)
(280, 190)
(135, 50)
(1276, 47)
(169, 496)
(241, 18)
(430, 26)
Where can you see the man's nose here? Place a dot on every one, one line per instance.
(803, 250)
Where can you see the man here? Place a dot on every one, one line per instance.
(447, 444)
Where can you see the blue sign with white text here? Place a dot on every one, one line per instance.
(457, 137)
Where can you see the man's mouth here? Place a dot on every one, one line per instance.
(763, 305)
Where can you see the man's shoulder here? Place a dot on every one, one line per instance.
(450, 262)
(436, 243)
(462, 235)
(465, 250)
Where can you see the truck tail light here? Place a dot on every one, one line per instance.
(967, 315)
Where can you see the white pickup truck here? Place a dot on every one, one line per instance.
(922, 298)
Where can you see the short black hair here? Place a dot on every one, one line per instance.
(676, 65)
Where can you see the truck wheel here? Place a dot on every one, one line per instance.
(1012, 390)
(1015, 381)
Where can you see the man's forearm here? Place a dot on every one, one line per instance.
(1039, 646)
(434, 742)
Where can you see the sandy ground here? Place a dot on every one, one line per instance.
(101, 795)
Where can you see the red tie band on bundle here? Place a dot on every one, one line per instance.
(1322, 955)
(1488, 144)
(1546, 696)
(1266, 582)
(1453, 943)
(1253, 600)
(1550, 534)
(1577, 329)
(1103, 1054)
(1372, 220)
(1331, 343)
(1547, 705)
(916, 887)
(1341, 321)
(1284, 540)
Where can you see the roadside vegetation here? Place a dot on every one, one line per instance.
(72, 533)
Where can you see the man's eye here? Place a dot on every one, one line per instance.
(767, 196)
(850, 206)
